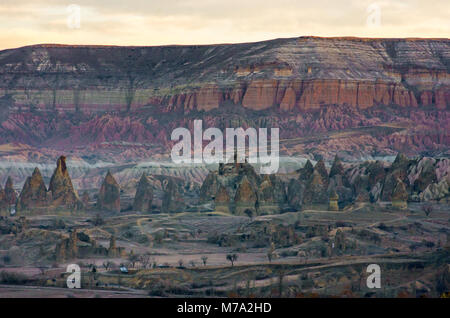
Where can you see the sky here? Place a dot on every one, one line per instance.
(110, 22)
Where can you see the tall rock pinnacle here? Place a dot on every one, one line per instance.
(144, 195)
(10, 193)
(109, 195)
(61, 188)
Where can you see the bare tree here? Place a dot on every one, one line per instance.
(204, 260)
(270, 252)
(413, 247)
(107, 265)
(43, 269)
(427, 209)
(133, 258)
(180, 263)
(281, 274)
(145, 260)
(269, 256)
(232, 258)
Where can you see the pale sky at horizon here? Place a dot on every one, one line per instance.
(109, 22)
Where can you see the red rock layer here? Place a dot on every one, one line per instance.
(308, 94)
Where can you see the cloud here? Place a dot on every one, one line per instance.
(26, 22)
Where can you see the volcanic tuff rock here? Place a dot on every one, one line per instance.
(306, 172)
(371, 181)
(61, 188)
(315, 190)
(296, 189)
(245, 199)
(33, 194)
(172, 200)
(144, 195)
(437, 191)
(316, 185)
(67, 248)
(336, 168)
(397, 171)
(210, 187)
(297, 73)
(109, 194)
(10, 193)
(245, 192)
(333, 201)
(3, 203)
(85, 198)
(422, 174)
(238, 189)
(131, 98)
(322, 171)
(339, 183)
(399, 193)
(222, 196)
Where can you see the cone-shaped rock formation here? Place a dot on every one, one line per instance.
(109, 195)
(61, 188)
(144, 195)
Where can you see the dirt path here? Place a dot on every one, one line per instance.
(359, 260)
(13, 291)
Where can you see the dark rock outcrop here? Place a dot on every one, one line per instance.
(399, 195)
(295, 193)
(245, 198)
(337, 168)
(109, 194)
(67, 248)
(322, 171)
(333, 201)
(306, 172)
(144, 195)
(239, 189)
(316, 190)
(209, 189)
(3, 202)
(419, 179)
(172, 200)
(317, 185)
(397, 171)
(85, 199)
(222, 196)
(10, 193)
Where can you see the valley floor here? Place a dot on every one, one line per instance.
(297, 254)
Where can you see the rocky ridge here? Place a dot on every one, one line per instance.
(123, 102)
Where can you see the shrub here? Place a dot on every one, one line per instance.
(12, 278)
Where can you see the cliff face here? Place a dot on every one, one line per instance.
(288, 74)
(103, 97)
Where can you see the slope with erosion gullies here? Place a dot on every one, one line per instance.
(357, 97)
(138, 136)
(288, 74)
